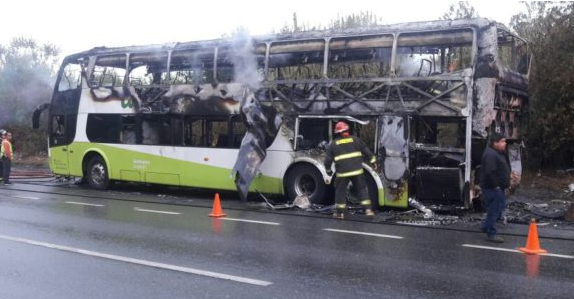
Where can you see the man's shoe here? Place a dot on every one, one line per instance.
(369, 213)
(339, 215)
(495, 239)
(7, 183)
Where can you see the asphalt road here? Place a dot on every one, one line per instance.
(75, 243)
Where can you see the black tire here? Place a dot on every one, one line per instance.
(306, 180)
(97, 174)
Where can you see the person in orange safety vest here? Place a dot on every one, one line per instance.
(6, 156)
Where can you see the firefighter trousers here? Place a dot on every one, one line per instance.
(360, 185)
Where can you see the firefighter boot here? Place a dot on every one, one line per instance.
(369, 213)
(340, 216)
(339, 211)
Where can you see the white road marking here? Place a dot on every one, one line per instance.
(515, 250)
(140, 262)
(25, 197)
(156, 211)
(559, 255)
(250, 221)
(362, 233)
(84, 204)
(490, 248)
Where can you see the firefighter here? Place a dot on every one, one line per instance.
(348, 152)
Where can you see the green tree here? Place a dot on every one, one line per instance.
(355, 20)
(27, 73)
(362, 19)
(27, 76)
(461, 10)
(550, 133)
(296, 27)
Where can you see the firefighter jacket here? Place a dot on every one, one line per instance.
(6, 149)
(348, 154)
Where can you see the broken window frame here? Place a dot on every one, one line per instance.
(232, 126)
(71, 77)
(116, 63)
(226, 59)
(156, 64)
(462, 39)
(278, 70)
(355, 125)
(374, 44)
(511, 45)
(199, 69)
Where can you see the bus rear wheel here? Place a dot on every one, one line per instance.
(98, 174)
(305, 180)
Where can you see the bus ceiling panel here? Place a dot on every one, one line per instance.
(258, 49)
(112, 60)
(150, 57)
(193, 54)
(298, 46)
(435, 38)
(361, 42)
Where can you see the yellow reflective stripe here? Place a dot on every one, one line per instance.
(350, 173)
(344, 140)
(366, 202)
(373, 159)
(341, 206)
(348, 156)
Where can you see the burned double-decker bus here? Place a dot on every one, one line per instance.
(424, 96)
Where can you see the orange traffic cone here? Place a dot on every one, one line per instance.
(532, 243)
(217, 211)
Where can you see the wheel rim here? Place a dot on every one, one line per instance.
(98, 173)
(305, 185)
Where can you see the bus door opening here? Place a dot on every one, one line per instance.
(59, 145)
(393, 154)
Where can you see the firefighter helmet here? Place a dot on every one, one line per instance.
(341, 127)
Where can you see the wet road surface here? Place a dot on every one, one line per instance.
(77, 243)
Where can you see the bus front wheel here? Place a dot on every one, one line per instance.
(305, 180)
(98, 174)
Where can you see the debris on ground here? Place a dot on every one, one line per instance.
(301, 202)
(419, 206)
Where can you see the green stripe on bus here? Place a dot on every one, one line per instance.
(137, 166)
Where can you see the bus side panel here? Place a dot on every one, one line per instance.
(59, 160)
(205, 167)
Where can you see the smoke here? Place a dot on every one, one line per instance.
(27, 76)
(244, 60)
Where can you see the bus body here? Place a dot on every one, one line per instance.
(256, 114)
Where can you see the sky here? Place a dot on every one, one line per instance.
(79, 25)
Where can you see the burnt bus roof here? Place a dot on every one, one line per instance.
(318, 34)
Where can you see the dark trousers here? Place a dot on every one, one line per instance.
(495, 204)
(6, 165)
(360, 185)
